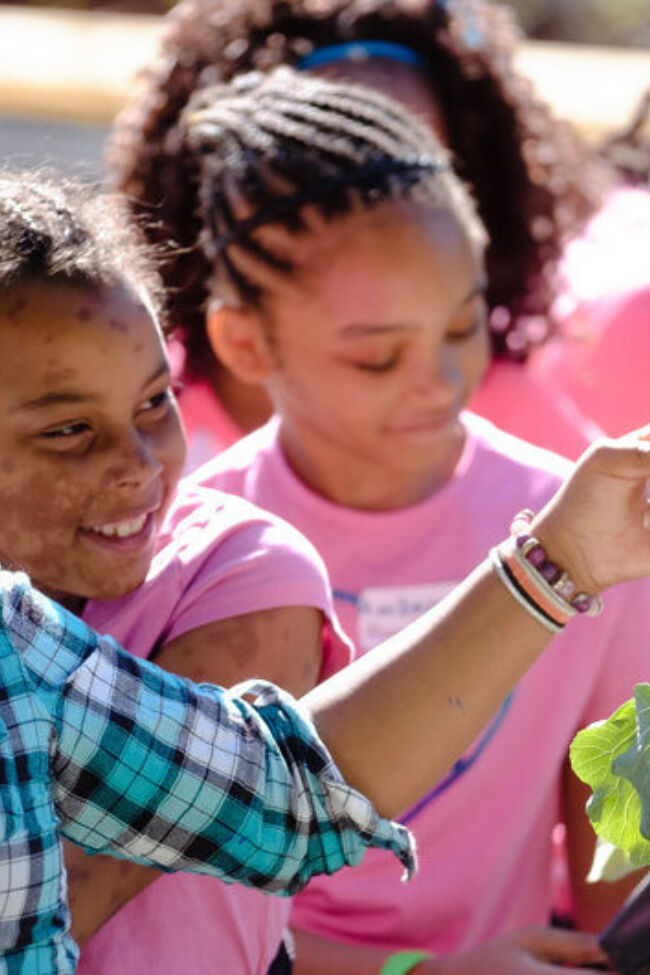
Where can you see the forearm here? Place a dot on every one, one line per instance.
(450, 669)
(98, 887)
(254, 792)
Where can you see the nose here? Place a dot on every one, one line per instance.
(132, 461)
(436, 378)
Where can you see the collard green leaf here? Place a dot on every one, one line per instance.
(613, 758)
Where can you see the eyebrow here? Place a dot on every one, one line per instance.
(362, 329)
(72, 399)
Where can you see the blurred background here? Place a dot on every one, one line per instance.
(65, 68)
(616, 22)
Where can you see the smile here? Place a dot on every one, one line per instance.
(120, 529)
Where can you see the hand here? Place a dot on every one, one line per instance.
(532, 951)
(595, 526)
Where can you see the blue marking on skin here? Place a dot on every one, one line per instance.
(463, 764)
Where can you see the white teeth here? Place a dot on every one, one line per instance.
(121, 529)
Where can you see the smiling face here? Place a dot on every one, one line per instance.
(91, 446)
(375, 345)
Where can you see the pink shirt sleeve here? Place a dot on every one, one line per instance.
(256, 561)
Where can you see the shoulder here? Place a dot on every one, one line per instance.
(50, 641)
(500, 454)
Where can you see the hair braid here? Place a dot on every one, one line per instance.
(59, 230)
(272, 144)
(533, 181)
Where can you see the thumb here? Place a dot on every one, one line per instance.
(627, 457)
(573, 948)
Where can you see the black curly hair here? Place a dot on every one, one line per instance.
(271, 144)
(58, 230)
(533, 181)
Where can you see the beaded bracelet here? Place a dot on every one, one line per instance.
(554, 580)
(538, 584)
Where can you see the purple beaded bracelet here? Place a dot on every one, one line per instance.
(556, 578)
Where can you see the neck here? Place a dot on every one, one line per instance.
(354, 481)
(74, 604)
(247, 405)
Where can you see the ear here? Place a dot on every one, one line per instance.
(238, 340)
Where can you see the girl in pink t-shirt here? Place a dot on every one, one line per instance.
(91, 452)
(454, 64)
(348, 279)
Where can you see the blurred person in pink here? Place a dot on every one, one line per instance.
(348, 280)
(453, 65)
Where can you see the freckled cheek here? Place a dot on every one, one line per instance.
(40, 520)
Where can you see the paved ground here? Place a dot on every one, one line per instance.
(70, 147)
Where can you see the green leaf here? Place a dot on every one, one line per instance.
(613, 758)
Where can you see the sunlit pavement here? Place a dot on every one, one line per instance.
(69, 147)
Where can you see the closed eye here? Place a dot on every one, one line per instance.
(383, 365)
(66, 431)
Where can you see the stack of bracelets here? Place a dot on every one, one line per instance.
(542, 588)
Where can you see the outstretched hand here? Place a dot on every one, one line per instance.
(597, 526)
(532, 951)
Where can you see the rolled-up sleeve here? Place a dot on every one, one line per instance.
(149, 766)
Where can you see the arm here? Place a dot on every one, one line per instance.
(428, 691)
(280, 645)
(535, 951)
(595, 527)
(153, 768)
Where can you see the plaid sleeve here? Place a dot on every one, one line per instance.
(149, 766)
(192, 777)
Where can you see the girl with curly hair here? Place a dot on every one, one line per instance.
(451, 62)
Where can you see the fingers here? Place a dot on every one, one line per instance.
(573, 949)
(628, 457)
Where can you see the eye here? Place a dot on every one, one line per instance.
(476, 325)
(158, 404)
(384, 365)
(66, 432)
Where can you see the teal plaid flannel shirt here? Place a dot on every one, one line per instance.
(121, 757)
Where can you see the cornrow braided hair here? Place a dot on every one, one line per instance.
(533, 180)
(271, 145)
(61, 230)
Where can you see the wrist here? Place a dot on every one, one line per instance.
(564, 551)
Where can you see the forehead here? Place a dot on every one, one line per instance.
(46, 325)
(32, 308)
(393, 241)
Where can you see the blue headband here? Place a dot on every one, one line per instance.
(358, 50)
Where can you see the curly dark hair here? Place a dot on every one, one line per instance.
(274, 143)
(53, 229)
(533, 180)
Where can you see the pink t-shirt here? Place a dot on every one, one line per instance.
(218, 557)
(601, 358)
(483, 833)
